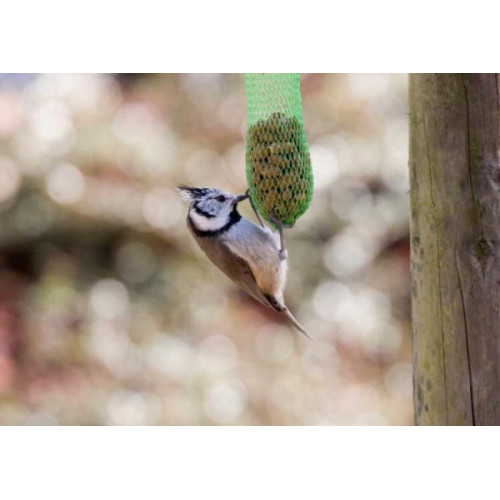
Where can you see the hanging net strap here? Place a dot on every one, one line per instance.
(278, 163)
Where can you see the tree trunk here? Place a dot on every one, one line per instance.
(455, 227)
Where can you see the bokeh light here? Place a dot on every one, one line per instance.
(111, 315)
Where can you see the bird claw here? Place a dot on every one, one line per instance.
(254, 209)
(283, 254)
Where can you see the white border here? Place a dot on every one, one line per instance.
(188, 36)
(247, 463)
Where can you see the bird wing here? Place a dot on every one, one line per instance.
(233, 266)
(238, 269)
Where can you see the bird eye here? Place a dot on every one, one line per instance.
(221, 198)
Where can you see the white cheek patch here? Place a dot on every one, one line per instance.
(208, 224)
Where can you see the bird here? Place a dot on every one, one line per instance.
(250, 255)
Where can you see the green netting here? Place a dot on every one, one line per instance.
(278, 167)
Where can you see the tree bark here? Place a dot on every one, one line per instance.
(455, 226)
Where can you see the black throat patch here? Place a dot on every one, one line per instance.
(234, 217)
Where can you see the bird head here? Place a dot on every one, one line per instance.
(211, 209)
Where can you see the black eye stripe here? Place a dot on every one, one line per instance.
(200, 211)
(233, 219)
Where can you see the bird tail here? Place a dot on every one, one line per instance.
(279, 306)
(294, 322)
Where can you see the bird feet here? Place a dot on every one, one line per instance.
(254, 209)
(282, 253)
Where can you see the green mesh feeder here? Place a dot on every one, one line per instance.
(278, 163)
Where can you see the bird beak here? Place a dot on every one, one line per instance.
(243, 197)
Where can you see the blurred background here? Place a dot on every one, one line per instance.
(111, 315)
